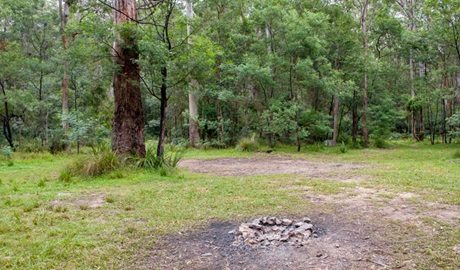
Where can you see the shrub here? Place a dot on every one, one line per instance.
(381, 143)
(316, 147)
(247, 144)
(456, 155)
(343, 148)
(7, 152)
(171, 157)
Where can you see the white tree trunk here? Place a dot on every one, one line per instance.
(194, 134)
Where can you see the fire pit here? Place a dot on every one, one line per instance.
(271, 231)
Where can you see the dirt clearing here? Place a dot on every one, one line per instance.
(361, 228)
(270, 166)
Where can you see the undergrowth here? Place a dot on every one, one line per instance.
(247, 144)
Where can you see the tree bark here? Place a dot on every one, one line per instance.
(355, 118)
(365, 98)
(194, 134)
(63, 14)
(128, 122)
(335, 115)
(6, 118)
(163, 106)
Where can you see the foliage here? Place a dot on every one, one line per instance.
(381, 143)
(7, 152)
(247, 144)
(343, 148)
(164, 165)
(454, 121)
(456, 154)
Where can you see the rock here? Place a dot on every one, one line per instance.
(457, 248)
(271, 231)
(284, 238)
(255, 226)
(286, 222)
(304, 227)
(298, 224)
(337, 245)
(319, 254)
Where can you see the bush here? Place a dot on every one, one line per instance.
(456, 155)
(171, 157)
(343, 148)
(247, 144)
(381, 143)
(316, 147)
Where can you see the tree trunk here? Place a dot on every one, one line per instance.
(365, 98)
(194, 134)
(163, 106)
(6, 118)
(335, 116)
(128, 122)
(355, 119)
(63, 14)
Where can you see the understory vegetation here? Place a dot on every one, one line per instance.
(114, 219)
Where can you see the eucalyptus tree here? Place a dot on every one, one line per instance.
(128, 121)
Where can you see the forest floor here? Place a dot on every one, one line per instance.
(361, 228)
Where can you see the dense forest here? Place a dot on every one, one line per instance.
(211, 72)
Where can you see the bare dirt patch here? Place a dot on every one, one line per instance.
(271, 166)
(360, 228)
(88, 200)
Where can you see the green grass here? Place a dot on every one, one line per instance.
(46, 223)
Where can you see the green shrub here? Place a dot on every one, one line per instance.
(343, 148)
(381, 143)
(171, 157)
(247, 144)
(33, 146)
(317, 147)
(456, 155)
(7, 152)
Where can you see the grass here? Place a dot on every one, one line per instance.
(107, 221)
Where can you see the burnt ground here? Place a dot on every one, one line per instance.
(363, 229)
(340, 245)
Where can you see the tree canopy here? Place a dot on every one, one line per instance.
(291, 72)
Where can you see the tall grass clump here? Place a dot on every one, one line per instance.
(165, 164)
(93, 165)
(247, 144)
(381, 143)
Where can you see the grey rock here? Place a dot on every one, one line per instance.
(298, 224)
(286, 222)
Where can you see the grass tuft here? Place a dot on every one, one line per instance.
(247, 145)
(94, 165)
